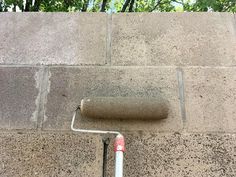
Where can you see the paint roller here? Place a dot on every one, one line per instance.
(121, 108)
(124, 108)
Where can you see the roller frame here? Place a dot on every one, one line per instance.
(119, 154)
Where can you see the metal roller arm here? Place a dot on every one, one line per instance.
(89, 131)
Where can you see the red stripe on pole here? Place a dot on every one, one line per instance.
(119, 144)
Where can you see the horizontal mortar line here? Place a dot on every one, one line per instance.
(19, 131)
(175, 66)
(21, 66)
(205, 67)
(210, 132)
(138, 66)
(113, 66)
(84, 66)
(70, 131)
(183, 131)
(34, 131)
(47, 65)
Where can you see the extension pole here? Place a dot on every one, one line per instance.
(119, 148)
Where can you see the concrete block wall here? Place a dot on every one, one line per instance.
(50, 61)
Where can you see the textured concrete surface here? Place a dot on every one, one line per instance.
(199, 39)
(210, 98)
(69, 85)
(53, 38)
(203, 45)
(50, 154)
(19, 92)
(178, 155)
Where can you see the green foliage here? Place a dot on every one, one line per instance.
(153, 5)
(10, 4)
(215, 5)
(60, 5)
(120, 5)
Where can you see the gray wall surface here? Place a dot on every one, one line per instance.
(50, 61)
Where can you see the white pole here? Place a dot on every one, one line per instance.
(119, 148)
(119, 164)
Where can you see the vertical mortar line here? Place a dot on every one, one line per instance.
(234, 16)
(180, 78)
(105, 155)
(108, 40)
(43, 97)
(234, 19)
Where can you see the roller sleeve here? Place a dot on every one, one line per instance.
(130, 108)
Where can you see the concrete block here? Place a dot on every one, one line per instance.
(210, 98)
(69, 85)
(177, 155)
(189, 39)
(19, 94)
(55, 154)
(53, 38)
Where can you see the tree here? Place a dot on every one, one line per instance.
(120, 5)
(215, 5)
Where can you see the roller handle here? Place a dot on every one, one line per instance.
(119, 148)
